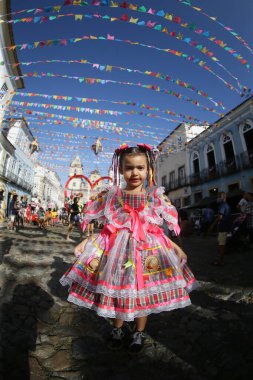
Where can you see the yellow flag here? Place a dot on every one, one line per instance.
(78, 17)
(133, 20)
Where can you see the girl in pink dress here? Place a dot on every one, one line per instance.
(131, 269)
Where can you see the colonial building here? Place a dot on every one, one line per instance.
(47, 188)
(8, 61)
(17, 166)
(172, 164)
(221, 158)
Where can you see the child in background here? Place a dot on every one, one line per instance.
(131, 269)
(54, 215)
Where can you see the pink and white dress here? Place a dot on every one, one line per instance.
(138, 271)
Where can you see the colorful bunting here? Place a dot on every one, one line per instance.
(143, 9)
(64, 42)
(109, 68)
(94, 111)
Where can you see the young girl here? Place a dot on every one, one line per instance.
(131, 269)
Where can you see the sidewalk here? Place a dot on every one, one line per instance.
(44, 337)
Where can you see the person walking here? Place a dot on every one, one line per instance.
(224, 226)
(74, 217)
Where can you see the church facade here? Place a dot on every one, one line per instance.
(79, 186)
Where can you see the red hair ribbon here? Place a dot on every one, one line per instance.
(145, 146)
(122, 147)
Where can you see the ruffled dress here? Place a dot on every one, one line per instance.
(138, 271)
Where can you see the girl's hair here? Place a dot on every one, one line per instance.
(141, 149)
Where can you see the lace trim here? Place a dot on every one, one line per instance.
(126, 293)
(160, 191)
(129, 316)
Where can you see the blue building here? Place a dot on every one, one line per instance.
(221, 157)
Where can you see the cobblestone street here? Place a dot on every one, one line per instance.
(44, 337)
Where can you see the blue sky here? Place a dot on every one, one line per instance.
(57, 149)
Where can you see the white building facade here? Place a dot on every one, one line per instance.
(8, 60)
(172, 164)
(47, 188)
(17, 166)
(221, 158)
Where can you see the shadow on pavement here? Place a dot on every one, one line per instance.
(19, 329)
(60, 267)
(5, 246)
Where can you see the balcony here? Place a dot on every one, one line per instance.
(223, 168)
(176, 184)
(13, 178)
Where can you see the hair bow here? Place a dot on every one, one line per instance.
(122, 147)
(145, 146)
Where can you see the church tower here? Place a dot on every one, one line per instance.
(76, 167)
(76, 186)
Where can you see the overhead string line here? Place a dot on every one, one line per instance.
(48, 135)
(96, 100)
(161, 128)
(151, 26)
(109, 68)
(64, 42)
(71, 137)
(93, 81)
(214, 19)
(83, 122)
(95, 111)
(177, 19)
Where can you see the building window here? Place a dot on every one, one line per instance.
(181, 175)
(248, 137)
(172, 179)
(211, 164)
(187, 201)
(233, 187)
(74, 184)
(177, 203)
(164, 180)
(195, 163)
(228, 150)
(197, 196)
(3, 90)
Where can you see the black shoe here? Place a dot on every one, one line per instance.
(115, 341)
(137, 343)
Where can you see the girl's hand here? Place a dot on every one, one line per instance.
(181, 256)
(80, 248)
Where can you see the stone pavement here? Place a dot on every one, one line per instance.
(44, 337)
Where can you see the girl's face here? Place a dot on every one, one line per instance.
(135, 170)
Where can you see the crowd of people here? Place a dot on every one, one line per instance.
(21, 212)
(234, 228)
(231, 230)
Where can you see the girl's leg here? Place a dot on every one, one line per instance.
(118, 323)
(141, 323)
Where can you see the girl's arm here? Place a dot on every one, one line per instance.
(179, 252)
(80, 248)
